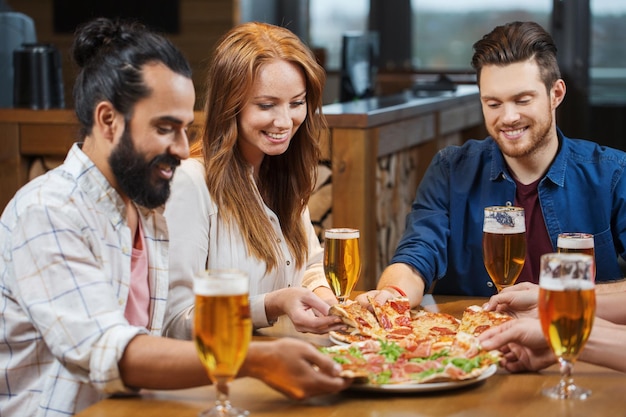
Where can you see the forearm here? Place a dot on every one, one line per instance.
(610, 305)
(605, 346)
(406, 278)
(161, 363)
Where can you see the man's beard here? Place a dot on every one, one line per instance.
(136, 177)
(539, 132)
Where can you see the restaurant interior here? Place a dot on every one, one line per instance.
(399, 88)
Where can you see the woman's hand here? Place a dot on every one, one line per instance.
(518, 300)
(307, 311)
(522, 344)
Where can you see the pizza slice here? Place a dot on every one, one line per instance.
(475, 320)
(438, 327)
(362, 323)
(394, 316)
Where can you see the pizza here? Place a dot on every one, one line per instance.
(475, 320)
(394, 320)
(382, 362)
(394, 344)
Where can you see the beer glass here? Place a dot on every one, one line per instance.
(576, 243)
(567, 305)
(342, 260)
(504, 244)
(222, 331)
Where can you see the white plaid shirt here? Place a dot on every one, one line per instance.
(65, 278)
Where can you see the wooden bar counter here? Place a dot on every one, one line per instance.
(503, 394)
(379, 149)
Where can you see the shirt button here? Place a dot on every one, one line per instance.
(278, 240)
(489, 284)
(120, 301)
(288, 263)
(125, 250)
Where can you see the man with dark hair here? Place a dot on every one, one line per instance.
(84, 267)
(563, 184)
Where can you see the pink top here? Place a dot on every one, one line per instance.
(138, 304)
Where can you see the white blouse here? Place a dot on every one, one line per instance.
(200, 240)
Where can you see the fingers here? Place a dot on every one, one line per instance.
(312, 324)
(498, 336)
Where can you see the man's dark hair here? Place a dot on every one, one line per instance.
(111, 55)
(518, 42)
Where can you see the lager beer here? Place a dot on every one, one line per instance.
(342, 260)
(575, 243)
(567, 317)
(222, 328)
(504, 244)
(567, 306)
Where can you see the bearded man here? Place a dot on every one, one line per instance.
(563, 184)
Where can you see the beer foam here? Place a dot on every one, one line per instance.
(224, 283)
(565, 284)
(575, 243)
(341, 233)
(504, 220)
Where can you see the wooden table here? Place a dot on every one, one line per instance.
(504, 394)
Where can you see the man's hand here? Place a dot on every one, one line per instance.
(293, 367)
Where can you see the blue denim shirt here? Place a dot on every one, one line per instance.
(584, 190)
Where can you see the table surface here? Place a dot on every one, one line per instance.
(503, 394)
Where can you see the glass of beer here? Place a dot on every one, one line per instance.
(342, 260)
(504, 244)
(574, 242)
(567, 305)
(222, 331)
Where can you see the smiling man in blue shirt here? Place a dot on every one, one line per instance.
(564, 184)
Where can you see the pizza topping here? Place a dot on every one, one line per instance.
(398, 345)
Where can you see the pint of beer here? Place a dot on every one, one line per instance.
(566, 305)
(222, 323)
(575, 243)
(504, 244)
(342, 260)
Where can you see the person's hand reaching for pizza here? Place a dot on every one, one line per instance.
(522, 344)
(518, 300)
(379, 296)
(294, 368)
(307, 311)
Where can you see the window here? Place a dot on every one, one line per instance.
(608, 60)
(443, 32)
(329, 19)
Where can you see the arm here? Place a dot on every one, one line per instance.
(290, 366)
(611, 298)
(605, 346)
(314, 278)
(187, 213)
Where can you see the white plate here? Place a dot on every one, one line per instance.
(337, 341)
(427, 387)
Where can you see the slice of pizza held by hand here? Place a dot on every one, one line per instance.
(475, 320)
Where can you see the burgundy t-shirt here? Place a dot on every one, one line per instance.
(537, 237)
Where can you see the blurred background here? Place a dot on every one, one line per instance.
(417, 41)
